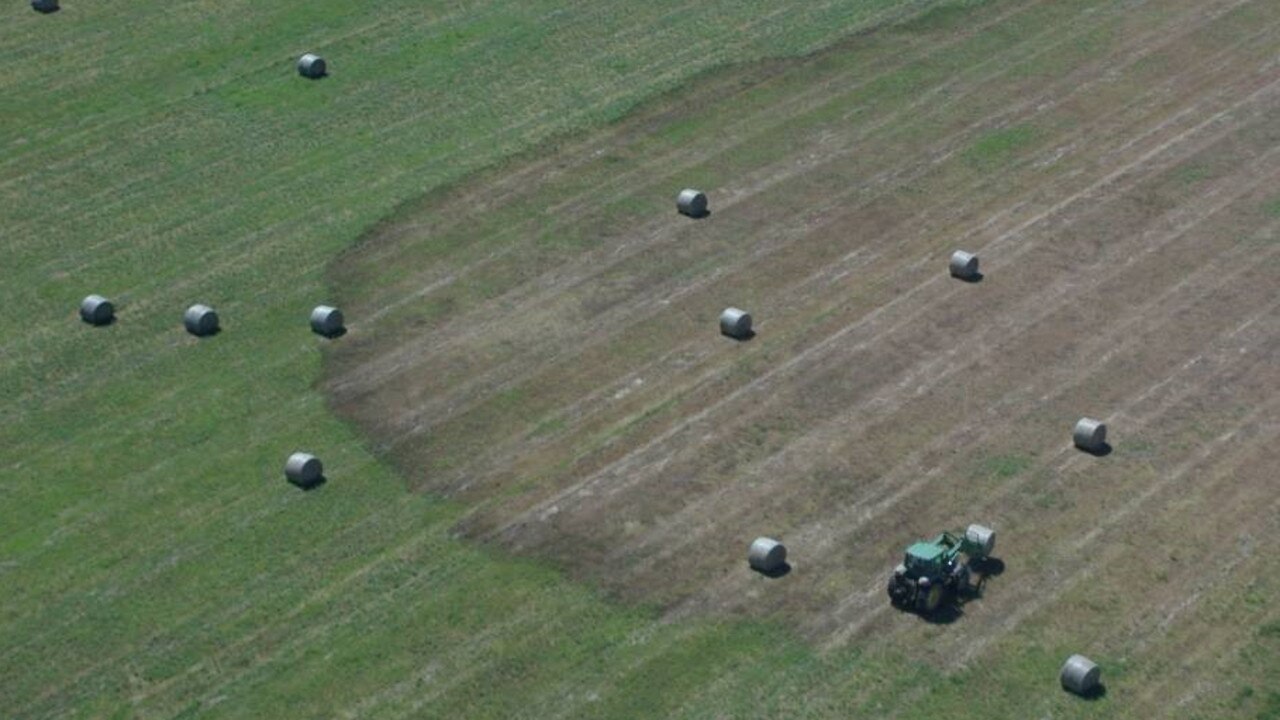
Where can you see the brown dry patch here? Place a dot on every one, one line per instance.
(540, 343)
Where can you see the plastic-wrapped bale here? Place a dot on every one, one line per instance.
(964, 265)
(311, 66)
(44, 6)
(1080, 675)
(327, 321)
(767, 555)
(303, 469)
(735, 323)
(982, 537)
(1090, 435)
(97, 310)
(692, 203)
(200, 320)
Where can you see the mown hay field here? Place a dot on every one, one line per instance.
(156, 563)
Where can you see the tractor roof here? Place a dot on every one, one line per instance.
(926, 551)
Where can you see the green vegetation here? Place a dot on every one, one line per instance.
(155, 562)
(999, 146)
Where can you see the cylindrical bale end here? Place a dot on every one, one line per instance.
(735, 323)
(964, 265)
(311, 66)
(200, 320)
(44, 6)
(981, 537)
(692, 203)
(1080, 675)
(97, 310)
(327, 321)
(1090, 434)
(303, 469)
(767, 555)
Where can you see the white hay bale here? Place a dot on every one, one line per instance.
(767, 555)
(44, 6)
(735, 323)
(303, 469)
(97, 310)
(200, 320)
(983, 537)
(311, 66)
(326, 320)
(964, 265)
(1090, 434)
(1080, 675)
(692, 203)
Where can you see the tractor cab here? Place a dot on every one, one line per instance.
(924, 559)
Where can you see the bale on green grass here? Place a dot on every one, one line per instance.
(200, 320)
(303, 469)
(327, 321)
(692, 203)
(312, 66)
(1080, 675)
(97, 310)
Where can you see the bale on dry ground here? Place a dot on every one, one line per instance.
(767, 555)
(735, 323)
(1090, 434)
(964, 265)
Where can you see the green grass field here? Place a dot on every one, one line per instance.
(153, 560)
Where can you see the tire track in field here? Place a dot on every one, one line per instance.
(548, 288)
(862, 609)
(626, 464)
(753, 489)
(596, 397)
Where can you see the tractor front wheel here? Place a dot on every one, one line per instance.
(930, 600)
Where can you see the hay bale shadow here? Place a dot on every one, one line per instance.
(781, 571)
(309, 486)
(1101, 451)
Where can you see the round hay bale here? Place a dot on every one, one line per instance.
(44, 6)
(735, 323)
(97, 310)
(767, 555)
(964, 265)
(327, 321)
(983, 537)
(692, 203)
(200, 320)
(1090, 435)
(1080, 675)
(311, 66)
(303, 469)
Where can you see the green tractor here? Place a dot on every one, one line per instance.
(933, 572)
